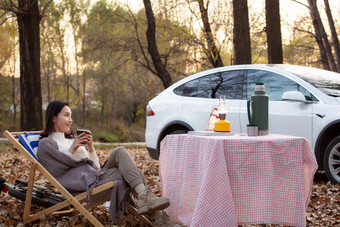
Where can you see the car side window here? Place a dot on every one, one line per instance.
(204, 87)
(275, 85)
(188, 89)
(227, 83)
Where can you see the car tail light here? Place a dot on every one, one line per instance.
(149, 111)
(3, 186)
(5, 189)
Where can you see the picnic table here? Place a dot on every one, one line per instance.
(237, 180)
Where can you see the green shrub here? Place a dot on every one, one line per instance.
(106, 137)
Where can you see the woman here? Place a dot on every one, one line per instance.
(75, 164)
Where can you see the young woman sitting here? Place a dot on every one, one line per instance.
(73, 161)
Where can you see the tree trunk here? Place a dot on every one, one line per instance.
(84, 87)
(14, 101)
(335, 39)
(328, 47)
(77, 61)
(318, 34)
(162, 73)
(30, 81)
(212, 52)
(273, 30)
(241, 39)
(48, 77)
(48, 82)
(68, 88)
(84, 90)
(63, 61)
(103, 93)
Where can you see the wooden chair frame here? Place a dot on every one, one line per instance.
(70, 199)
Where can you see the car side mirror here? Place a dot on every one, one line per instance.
(293, 96)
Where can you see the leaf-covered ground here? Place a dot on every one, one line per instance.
(323, 209)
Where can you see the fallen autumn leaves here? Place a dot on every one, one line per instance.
(323, 209)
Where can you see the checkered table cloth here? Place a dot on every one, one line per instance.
(237, 180)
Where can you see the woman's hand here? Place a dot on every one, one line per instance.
(83, 139)
(89, 141)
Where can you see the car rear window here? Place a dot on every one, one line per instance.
(228, 83)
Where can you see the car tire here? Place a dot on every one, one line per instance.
(332, 160)
(177, 131)
(180, 131)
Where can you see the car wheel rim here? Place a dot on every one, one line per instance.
(334, 162)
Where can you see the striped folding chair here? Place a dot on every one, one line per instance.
(27, 144)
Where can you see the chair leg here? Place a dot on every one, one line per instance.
(28, 201)
(29, 192)
(142, 219)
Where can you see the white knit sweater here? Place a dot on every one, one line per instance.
(64, 145)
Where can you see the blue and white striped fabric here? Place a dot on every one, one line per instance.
(30, 142)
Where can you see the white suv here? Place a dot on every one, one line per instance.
(303, 101)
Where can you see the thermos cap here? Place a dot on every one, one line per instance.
(259, 87)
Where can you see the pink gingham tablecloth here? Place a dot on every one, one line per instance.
(237, 180)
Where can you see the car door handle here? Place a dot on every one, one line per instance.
(321, 115)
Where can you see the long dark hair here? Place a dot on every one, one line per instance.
(53, 109)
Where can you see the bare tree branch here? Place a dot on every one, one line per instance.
(11, 9)
(13, 4)
(6, 9)
(193, 13)
(45, 7)
(3, 14)
(146, 66)
(300, 3)
(2, 22)
(304, 31)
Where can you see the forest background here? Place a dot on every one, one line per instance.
(96, 54)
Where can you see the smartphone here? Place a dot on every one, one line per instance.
(80, 131)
